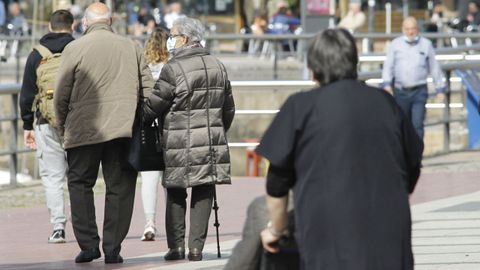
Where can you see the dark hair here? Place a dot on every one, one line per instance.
(332, 56)
(61, 20)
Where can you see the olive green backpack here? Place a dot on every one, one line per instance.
(46, 73)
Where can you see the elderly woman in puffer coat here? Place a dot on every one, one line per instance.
(193, 97)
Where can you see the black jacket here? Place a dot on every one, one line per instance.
(55, 42)
(354, 158)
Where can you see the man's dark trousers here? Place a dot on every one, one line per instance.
(412, 101)
(120, 181)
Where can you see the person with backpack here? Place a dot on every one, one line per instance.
(36, 100)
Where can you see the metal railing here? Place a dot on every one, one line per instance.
(302, 39)
(277, 38)
(280, 37)
(469, 62)
(446, 106)
(12, 90)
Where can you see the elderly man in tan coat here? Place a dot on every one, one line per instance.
(95, 102)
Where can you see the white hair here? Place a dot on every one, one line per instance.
(192, 28)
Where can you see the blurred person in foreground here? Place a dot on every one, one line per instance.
(100, 76)
(38, 78)
(156, 56)
(410, 59)
(351, 157)
(193, 100)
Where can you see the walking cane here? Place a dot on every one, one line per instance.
(216, 224)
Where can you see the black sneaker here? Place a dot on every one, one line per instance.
(57, 237)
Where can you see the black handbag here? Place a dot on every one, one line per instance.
(145, 152)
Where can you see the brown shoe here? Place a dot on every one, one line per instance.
(195, 254)
(175, 254)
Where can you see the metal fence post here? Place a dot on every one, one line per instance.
(388, 18)
(371, 23)
(13, 143)
(405, 9)
(275, 60)
(306, 71)
(17, 68)
(446, 114)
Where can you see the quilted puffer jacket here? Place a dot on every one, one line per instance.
(193, 100)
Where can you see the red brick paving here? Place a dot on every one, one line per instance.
(434, 186)
(24, 232)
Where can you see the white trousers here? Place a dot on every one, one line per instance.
(150, 182)
(53, 168)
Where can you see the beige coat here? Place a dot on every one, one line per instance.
(97, 87)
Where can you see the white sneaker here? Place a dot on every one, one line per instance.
(149, 233)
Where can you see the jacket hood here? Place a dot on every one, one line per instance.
(56, 42)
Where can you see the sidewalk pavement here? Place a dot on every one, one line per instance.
(446, 233)
(445, 212)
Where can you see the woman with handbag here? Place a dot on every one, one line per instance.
(156, 55)
(193, 98)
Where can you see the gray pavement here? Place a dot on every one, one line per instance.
(446, 233)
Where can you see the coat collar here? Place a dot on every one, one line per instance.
(189, 52)
(98, 26)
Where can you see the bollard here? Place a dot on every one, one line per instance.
(252, 167)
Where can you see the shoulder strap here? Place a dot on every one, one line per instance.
(213, 156)
(140, 97)
(207, 81)
(43, 51)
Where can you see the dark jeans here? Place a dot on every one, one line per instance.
(413, 103)
(200, 209)
(120, 180)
